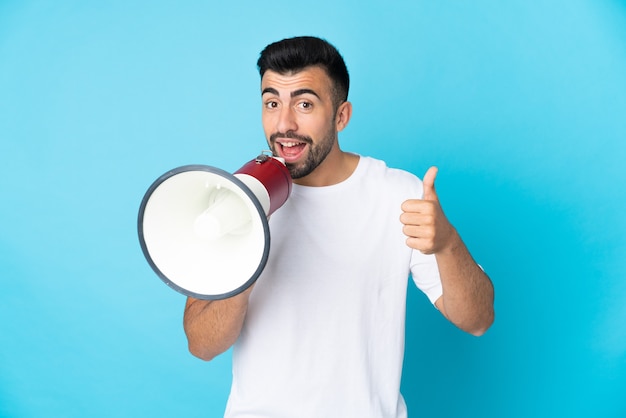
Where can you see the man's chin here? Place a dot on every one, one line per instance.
(298, 170)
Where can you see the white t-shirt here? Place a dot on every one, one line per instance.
(324, 331)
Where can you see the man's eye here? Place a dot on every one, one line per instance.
(271, 105)
(305, 105)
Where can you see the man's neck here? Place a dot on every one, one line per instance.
(335, 168)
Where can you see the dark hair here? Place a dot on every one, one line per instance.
(295, 54)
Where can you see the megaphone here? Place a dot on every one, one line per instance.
(205, 231)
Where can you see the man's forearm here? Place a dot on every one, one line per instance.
(468, 293)
(212, 327)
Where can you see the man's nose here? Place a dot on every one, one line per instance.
(287, 120)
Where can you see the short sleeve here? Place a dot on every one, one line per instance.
(425, 273)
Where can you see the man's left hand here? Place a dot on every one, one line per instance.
(425, 224)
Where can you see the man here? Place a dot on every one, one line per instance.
(321, 333)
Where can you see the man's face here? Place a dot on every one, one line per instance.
(299, 118)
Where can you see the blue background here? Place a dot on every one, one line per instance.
(521, 104)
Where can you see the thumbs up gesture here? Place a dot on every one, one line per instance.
(425, 224)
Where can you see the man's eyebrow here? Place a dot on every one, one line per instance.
(304, 91)
(272, 90)
(269, 90)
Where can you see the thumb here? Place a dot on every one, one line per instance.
(429, 184)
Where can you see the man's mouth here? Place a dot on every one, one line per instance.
(289, 148)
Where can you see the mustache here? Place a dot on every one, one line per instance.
(291, 135)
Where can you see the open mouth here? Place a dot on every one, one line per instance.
(289, 149)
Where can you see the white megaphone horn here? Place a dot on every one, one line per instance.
(205, 232)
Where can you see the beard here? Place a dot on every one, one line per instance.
(317, 152)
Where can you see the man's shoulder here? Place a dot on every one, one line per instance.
(377, 168)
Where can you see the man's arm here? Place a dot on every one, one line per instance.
(468, 294)
(213, 326)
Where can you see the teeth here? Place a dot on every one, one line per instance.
(290, 144)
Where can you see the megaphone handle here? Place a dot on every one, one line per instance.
(261, 158)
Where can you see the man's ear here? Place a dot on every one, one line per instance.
(344, 113)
